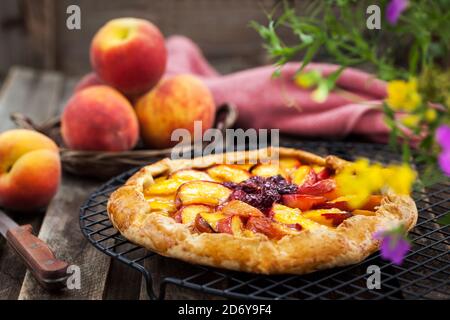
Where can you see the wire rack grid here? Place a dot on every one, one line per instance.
(424, 274)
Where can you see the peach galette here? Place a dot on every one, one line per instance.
(284, 216)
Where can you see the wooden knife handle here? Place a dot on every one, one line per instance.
(38, 257)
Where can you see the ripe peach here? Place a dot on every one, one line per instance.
(99, 118)
(129, 54)
(30, 170)
(89, 80)
(174, 103)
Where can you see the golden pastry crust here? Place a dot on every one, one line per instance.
(308, 251)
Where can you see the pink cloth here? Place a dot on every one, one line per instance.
(266, 102)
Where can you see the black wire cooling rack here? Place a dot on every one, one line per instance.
(424, 274)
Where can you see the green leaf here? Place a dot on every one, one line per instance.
(406, 152)
(445, 220)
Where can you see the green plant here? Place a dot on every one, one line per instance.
(410, 53)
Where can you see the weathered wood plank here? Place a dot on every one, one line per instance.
(35, 94)
(61, 230)
(123, 282)
(15, 93)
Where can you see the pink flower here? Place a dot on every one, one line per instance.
(395, 9)
(394, 244)
(443, 138)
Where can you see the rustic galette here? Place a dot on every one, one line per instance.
(261, 216)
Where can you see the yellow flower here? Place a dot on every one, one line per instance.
(403, 95)
(307, 80)
(430, 115)
(400, 178)
(411, 120)
(361, 179)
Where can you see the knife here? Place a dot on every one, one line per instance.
(50, 272)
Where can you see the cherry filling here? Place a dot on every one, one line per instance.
(261, 192)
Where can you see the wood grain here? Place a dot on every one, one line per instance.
(60, 229)
(36, 94)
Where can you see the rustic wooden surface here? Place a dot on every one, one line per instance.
(37, 36)
(42, 95)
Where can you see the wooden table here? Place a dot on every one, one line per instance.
(42, 95)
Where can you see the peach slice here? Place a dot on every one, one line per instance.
(303, 175)
(231, 225)
(244, 166)
(227, 173)
(268, 170)
(265, 226)
(163, 187)
(318, 188)
(189, 213)
(202, 192)
(363, 212)
(302, 201)
(201, 225)
(329, 217)
(289, 164)
(290, 216)
(342, 203)
(162, 204)
(212, 219)
(240, 208)
(190, 175)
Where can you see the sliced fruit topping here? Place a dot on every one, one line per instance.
(190, 175)
(202, 192)
(329, 217)
(289, 164)
(363, 212)
(228, 173)
(342, 203)
(163, 187)
(189, 213)
(212, 219)
(232, 225)
(304, 175)
(265, 226)
(201, 225)
(290, 216)
(373, 202)
(162, 204)
(261, 192)
(240, 208)
(318, 188)
(302, 201)
(268, 170)
(324, 173)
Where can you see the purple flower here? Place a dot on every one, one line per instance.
(394, 245)
(443, 136)
(395, 9)
(444, 161)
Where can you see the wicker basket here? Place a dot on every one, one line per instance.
(103, 165)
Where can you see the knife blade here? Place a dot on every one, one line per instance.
(6, 223)
(50, 272)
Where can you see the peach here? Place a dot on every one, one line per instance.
(99, 118)
(174, 103)
(129, 54)
(30, 170)
(89, 80)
